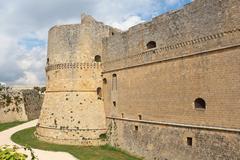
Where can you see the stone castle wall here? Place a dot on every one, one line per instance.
(20, 105)
(168, 142)
(147, 102)
(73, 111)
(196, 56)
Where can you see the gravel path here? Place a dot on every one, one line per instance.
(5, 139)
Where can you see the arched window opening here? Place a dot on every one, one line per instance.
(97, 58)
(151, 44)
(99, 92)
(114, 103)
(200, 103)
(104, 81)
(47, 61)
(114, 82)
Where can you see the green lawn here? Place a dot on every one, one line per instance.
(26, 137)
(4, 126)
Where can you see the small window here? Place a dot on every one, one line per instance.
(151, 44)
(97, 58)
(114, 82)
(189, 141)
(122, 115)
(140, 117)
(136, 128)
(47, 60)
(200, 103)
(114, 103)
(99, 92)
(104, 81)
(112, 33)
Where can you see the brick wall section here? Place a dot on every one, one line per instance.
(197, 55)
(166, 89)
(160, 142)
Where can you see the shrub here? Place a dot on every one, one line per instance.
(10, 153)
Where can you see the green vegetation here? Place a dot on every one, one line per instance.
(26, 137)
(40, 89)
(8, 99)
(4, 126)
(8, 152)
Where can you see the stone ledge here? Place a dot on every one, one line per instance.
(73, 66)
(177, 124)
(173, 58)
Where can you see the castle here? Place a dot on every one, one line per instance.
(168, 89)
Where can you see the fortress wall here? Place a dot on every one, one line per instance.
(166, 91)
(163, 87)
(201, 25)
(197, 55)
(32, 103)
(163, 142)
(20, 105)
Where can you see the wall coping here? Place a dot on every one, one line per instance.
(177, 124)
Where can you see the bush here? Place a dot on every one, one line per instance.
(10, 153)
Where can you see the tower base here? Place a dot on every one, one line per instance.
(71, 137)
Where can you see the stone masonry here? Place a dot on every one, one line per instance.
(167, 89)
(19, 104)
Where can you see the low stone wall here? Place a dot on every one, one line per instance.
(166, 142)
(19, 105)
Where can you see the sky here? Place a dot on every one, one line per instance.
(24, 26)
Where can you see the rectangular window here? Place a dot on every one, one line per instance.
(114, 82)
(189, 141)
(136, 128)
(140, 117)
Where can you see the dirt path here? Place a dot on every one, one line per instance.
(5, 138)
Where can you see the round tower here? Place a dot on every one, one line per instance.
(72, 111)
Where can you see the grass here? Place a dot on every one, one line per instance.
(26, 137)
(4, 126)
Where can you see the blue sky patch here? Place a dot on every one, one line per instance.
(30, 43)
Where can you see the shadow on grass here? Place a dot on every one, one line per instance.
(26, 137)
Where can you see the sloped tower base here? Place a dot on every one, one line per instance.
(71, 123)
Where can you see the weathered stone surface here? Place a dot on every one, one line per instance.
(73, 112)
(150, 93)
(20, 104)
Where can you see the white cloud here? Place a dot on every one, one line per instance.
(23, 63)
(172, 2)
(29, 78)
(129, 22)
